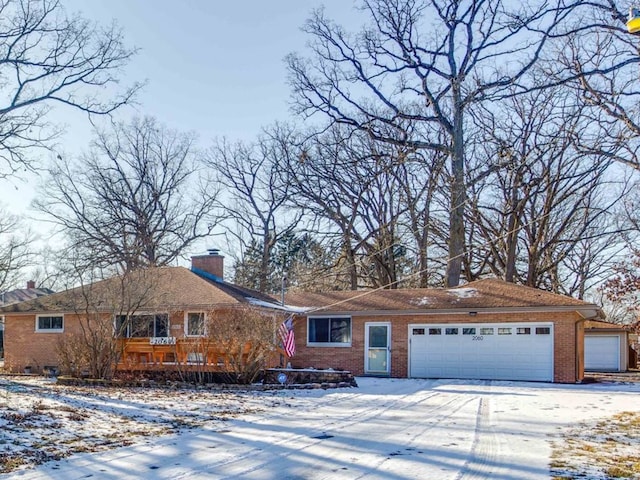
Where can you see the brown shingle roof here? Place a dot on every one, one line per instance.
(23, 294)
(600, 325)
(165, 287)
(478, 295)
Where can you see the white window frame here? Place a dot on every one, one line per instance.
(186, 324)
(49, 330)
(330, 344)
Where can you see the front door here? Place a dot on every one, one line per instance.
(377, 348)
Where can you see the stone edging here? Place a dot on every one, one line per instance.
(88, 382)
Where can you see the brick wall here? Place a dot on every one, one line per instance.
(26, 347)
(568, 360)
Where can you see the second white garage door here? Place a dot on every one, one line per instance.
(602, 353)
(522, 351)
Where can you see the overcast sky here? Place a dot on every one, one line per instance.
(213, 67)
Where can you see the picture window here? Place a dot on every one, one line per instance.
(330, 330)
(142, 325)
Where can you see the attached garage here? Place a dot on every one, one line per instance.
(488, 329)
(500, 351)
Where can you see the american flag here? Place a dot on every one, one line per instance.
(287, 337)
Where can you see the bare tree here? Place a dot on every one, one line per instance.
(16, 241)
(135, 200)
(245, 338)
(421, 176)
(603, 69)
(423, 63)
(346, 181)
(49, 58)
(542, 200)
(102, 310)
(255, 197)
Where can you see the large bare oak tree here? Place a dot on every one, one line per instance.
(48, 58)
(139, 198)
(426, 63)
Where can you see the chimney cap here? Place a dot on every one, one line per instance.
(213, 251)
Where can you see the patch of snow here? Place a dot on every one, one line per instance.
(277, 306)
(463, 292)
(444, 429)
(420, 302)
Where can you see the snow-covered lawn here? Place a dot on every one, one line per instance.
(385, 429)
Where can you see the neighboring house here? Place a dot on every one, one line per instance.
(488, 329)
(606, 347)
(15, 296)
(160, 312)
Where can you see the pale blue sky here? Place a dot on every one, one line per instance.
(213, 67)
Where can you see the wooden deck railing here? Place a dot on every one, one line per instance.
(191, 353)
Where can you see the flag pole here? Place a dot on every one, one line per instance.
(284, 284)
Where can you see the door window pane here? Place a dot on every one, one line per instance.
(377, 336)
(378, 360)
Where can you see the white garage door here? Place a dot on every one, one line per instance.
(513, 351)
(602, 353)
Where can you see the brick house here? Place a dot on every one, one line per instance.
(488, 329)
(159, 315)
(16, 296)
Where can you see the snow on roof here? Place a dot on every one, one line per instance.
(420, 302)
(463, 292)
(277, 306)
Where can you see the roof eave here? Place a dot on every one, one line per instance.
(587, 311)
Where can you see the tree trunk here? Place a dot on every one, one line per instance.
(458, 196)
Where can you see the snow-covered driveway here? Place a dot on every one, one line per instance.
(385, 429)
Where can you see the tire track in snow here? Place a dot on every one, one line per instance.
(484, 451)
(368, 412)
(459, 404)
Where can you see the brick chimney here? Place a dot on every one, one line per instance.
(212, 263)
(31, 284)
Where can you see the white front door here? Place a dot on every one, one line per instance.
(377, 348)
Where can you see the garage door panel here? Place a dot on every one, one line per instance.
(526, 356)
(602, 353)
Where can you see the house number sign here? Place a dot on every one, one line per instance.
(162, 340)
